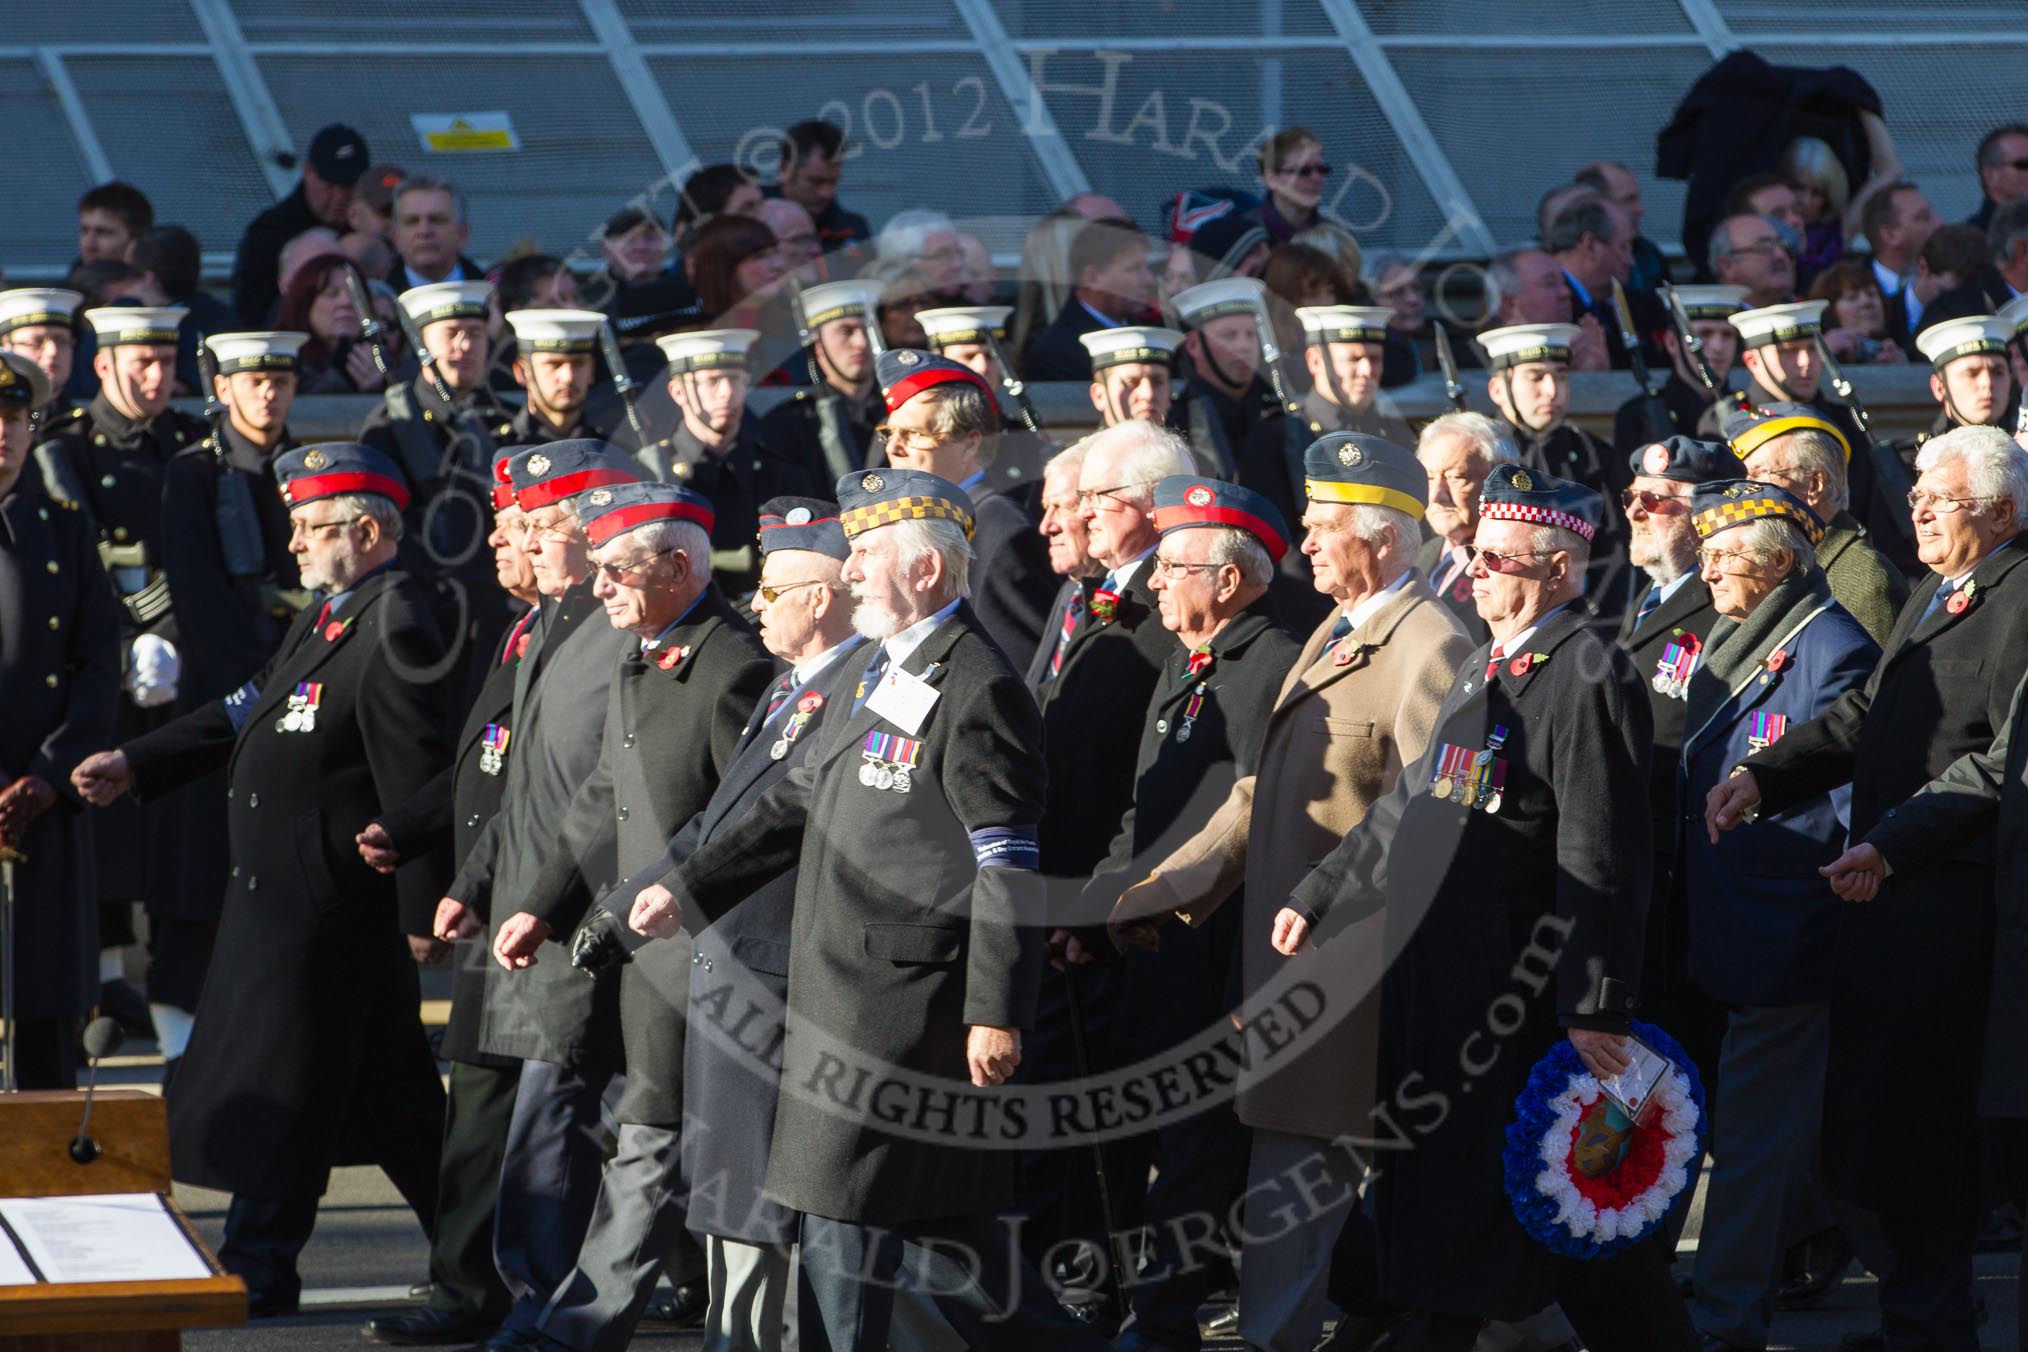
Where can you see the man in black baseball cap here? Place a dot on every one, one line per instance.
(332, 167)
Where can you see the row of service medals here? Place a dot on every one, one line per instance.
(302, 712)
(1763, 730)
(1472, 779)
(1678, 664)
(890, 760)
(806, 709)
(493, 748)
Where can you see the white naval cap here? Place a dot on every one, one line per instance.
(263, 351)
(446, 300)
(1207, 301)
(1711, 302)
(555, 330)
(1132, 343)
(708, 349)
(950, 324)
(116, 325)
(1780, 323)
(1944, 342)
(1517, 343)
(1344, 323)
(839, 300)
(2015, 312)
(28, 306)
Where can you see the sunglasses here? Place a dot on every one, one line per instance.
(1503, 563)
(1654, 504)
(1309, 171)
(774, 594)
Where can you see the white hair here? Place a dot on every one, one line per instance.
(907, 232)
(1148, 454)
(383, 511)
(1069, 460)
(1995, 466)
(1490, 440)
(1244, 551)
(1807, 451)
(667, 537)
(1367, 521)
(912, 539)
(1764, 537)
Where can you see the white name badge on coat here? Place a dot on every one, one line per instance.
(903, 700)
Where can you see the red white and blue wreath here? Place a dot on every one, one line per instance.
(1583, 1178)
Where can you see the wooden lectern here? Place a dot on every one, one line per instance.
(132, 1129)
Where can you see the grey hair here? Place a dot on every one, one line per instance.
(906, 232)
(1586, 216)
(1490, 439)
(1547, 539)
(661, 537)
(958, 407)
(1721, 238)
(1995, 465)
(430, 183)
(1505, 273)
(1230, 544)
(1069, 460)
(1378, 265)
(1810, 450)
(383, 511)
(1152, 454)
(1764, 537)
(945, 539)
(1368, 520)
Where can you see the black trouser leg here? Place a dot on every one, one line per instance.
(263, 1238)
(468, 1184)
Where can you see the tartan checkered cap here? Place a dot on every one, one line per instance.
(881, 497)
(1517, 493)
(1734, 502)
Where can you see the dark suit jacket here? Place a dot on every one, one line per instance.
(1055, 353)
(896, 951)
(669, 734)
(1012, 584)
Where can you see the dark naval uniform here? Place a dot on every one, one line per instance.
(1684, 403)
(235, 589)
(1569, 452)
(1217, 425)
(1272, 464)
(735, 483)
(795, 428)
(1535, 855)
(308, 1051)
(60, 685)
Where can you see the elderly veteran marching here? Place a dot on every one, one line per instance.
(1202, 731)
(308, 1050)
(1794, 447)
(562, 1028)
(674, 714)
(1908, 981)
(1358, 704)
(1762, 922)
(60, 685)
(942, 419)
(1511, 865)
(917, 968)
(738, 984)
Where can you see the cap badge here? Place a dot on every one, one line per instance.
(1199, 496)
(538, 464)
(315, 460)
(907, 358)
(1738, 491)
(873, 483)
(6, 377)
(600, 497)
(798, 516)
(1350, 456)
(1656, 460)
(1522, 483)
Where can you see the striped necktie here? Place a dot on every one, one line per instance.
(1338, 632)
(780, 694)
(1493, 660)
(1649, 604)
(1073, 615)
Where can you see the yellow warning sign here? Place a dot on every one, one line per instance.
(465, 133)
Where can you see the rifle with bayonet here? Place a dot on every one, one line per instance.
(237, 520)
(466, 429)
(623, 382)
(1891, 479)
(1654, 413)
(1693, 350)
(420, 458)
(834, 434)
(1454, 389)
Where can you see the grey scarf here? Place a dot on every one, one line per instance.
(1735, 648)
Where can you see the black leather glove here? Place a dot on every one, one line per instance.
(598, 946)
